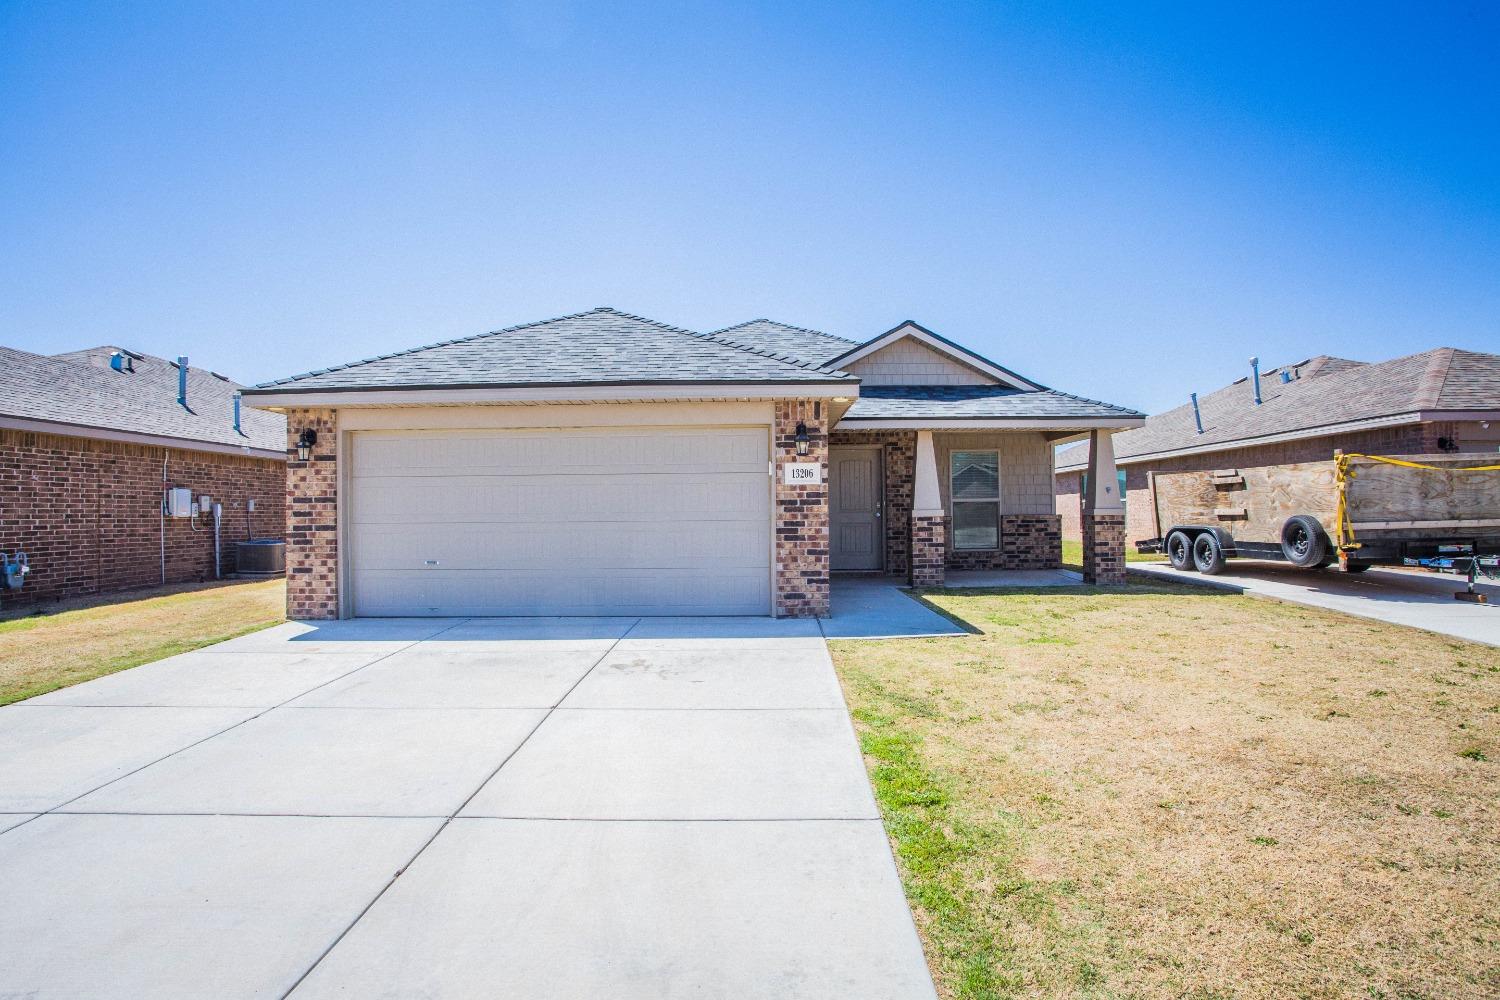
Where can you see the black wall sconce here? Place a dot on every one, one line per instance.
(305, 442)
(802, 438)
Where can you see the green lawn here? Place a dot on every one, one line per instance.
(1072, 554)
(1171, 792)
(81, 640)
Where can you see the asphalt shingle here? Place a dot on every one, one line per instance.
(975, 402)
(602, 346)
(1323, 391)
(81, 389)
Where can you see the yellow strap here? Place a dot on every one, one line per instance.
(1342, 475)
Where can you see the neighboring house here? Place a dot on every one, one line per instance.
(86, 450)
(602, 463)
(1444, 400)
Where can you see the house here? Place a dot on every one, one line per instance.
(602, 463)
(1443, 400)
(88, 443)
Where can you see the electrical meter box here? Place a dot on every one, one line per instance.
(180, 502)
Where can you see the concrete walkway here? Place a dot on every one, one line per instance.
(1402, 597)
(453, 808)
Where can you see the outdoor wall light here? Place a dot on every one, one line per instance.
(305, 442)
(802, 439)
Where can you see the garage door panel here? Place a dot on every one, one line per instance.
(565, 453)
(520, 592)
(560, 522)
(601, 545)
(548, 498)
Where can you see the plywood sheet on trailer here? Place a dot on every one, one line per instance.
(1253, 505)
(1381, 492)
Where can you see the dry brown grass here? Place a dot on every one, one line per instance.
(80, 640)
(1168, 792)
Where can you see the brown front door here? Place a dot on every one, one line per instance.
(855, 488)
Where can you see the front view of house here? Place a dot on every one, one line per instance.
(605, 464)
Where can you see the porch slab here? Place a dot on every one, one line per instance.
(999, 578)
(876, 607)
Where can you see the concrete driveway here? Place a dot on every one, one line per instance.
(453, 808)
(1414, 598)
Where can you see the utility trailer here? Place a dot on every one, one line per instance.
(1356, 510)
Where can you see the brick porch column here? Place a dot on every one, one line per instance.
(928, 525)
(801, 512)
(1103, 516)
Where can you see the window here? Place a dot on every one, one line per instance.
(974, 485)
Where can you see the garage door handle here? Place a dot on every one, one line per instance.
(430, 562)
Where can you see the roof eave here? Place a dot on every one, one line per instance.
(270, 397)
(65, 429)
(993, 423)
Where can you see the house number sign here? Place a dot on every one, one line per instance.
(801, 473)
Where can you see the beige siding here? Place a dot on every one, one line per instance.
(908, 362)
(1025, 467)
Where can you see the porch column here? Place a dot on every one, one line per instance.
(1103, 516)
(928, 525)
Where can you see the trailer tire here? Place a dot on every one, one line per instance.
(1303, 542)
(1208, 557)
(1180, 550)
(1355, 566)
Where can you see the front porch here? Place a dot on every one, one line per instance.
(930, 506)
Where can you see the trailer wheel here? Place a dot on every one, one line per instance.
(1303, 542)
(1180, 550)
(1355, 566)
(1207, 556)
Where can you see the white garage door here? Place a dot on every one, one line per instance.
(665, 521)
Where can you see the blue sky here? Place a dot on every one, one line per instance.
(1121, 203)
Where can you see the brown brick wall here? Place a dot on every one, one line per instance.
(898, 452)
(1104, 550)
(928, 532)
(312, 538)
(801, 513)
(88, 513)
(1412, 439)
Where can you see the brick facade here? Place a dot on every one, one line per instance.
(1104, 550)
(88, 513)
(801, 513)
(928, 534)
(312, 537)
(1412, 439)
(898, 453)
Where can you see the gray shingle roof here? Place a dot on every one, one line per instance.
(1323, 391)
(81, 389)
(975, 402)
(602, 346)
(784, 339)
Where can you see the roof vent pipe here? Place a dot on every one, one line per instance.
(1255, 370)
(182, 366)
(237, 414)
(1197, 417)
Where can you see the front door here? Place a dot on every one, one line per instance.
(854, 493)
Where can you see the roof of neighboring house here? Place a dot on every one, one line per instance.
(80, 390)
(602, 346)
(784, 339)
(1325, 393)
(971, 402)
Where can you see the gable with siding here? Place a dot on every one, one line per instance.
(910, 362)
